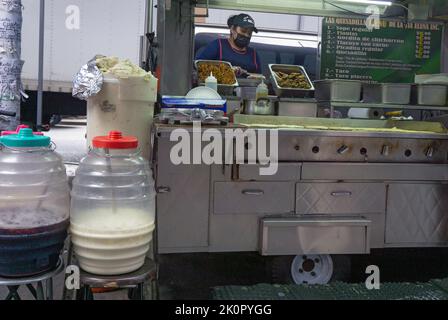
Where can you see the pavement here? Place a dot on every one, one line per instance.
(192, 276)
(70, 139)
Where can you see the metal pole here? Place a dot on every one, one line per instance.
(144, 43)
(149, 16)
(40, 84)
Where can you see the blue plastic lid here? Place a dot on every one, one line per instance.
(25, 139)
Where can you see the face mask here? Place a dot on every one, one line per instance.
(242, 41)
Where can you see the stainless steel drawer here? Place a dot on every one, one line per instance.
(253, 197)
(341, 198)
(315, 235)
(417, 214)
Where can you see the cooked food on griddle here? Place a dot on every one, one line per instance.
(293, 80)
(222, 72)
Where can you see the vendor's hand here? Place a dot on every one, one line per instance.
(239, 71)
(256, 76)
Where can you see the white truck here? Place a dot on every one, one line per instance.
(75, 31)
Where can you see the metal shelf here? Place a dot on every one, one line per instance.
(332, 105)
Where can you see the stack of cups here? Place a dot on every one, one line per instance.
(10, 62)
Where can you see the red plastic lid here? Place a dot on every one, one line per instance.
(22, 126)
(115, 140)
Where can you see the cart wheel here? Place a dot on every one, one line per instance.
(311, 269)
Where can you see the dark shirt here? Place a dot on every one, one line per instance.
(221, 49)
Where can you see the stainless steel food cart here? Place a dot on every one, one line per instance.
(335, 192)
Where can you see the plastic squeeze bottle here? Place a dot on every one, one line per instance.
(261, 91)
(211, 82)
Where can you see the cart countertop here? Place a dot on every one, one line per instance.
(326, 127)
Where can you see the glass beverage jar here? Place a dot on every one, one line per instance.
(34, 204)
(112, 207)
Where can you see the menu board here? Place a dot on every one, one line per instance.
(393, 53)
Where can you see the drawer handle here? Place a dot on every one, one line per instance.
(341, 194)
(253, 192)
(163, 190)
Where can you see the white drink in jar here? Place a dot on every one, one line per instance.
(112, 243)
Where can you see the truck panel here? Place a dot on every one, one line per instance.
(108, 27)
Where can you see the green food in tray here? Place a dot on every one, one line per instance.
(294, 80)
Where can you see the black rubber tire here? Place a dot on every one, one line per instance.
(55, 120)
(342, 268)
(280, 267)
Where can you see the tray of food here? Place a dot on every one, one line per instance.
(222, 71)
(290, 81)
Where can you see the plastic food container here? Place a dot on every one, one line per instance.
(431, 94)
(112, 207)
(125, 104)
(34, 204)
(388, 93)
(338, 90)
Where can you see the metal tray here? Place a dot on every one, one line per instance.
(388, 93)
(338, 90)
(431, 94)
(289, 92)
(223, 89)
(318, 233)
(248, 82)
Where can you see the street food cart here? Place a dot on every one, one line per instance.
(344, 185)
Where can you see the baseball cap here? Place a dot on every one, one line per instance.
(242, 20)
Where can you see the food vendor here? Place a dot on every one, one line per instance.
(235, 49)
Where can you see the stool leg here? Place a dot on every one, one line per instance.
(154, 290)
(89, 293)
(131, 293)
(80, 294)
(12, 294)
(84, 293)
(49, 287)
(40, 291)
(65, 291)
(140, 292)
(32, 290)
(137, 293)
